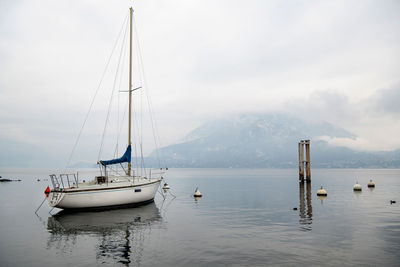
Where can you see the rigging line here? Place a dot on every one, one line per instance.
(139, 137)
(116, 145)
(135, 138)
(152, 116)
(120, 130)
(154, 130)
(143, 166)
(136, 131)
(141, 101)
(95, 94)
(136, 161)
(123, 168)
(139, 115)
(112, 95)
(119, 127)
(157, 139)
(141, 128)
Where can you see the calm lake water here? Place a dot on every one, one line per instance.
(245, 218)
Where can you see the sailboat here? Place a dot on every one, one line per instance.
(105, 190)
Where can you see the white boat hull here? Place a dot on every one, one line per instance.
(104, 195)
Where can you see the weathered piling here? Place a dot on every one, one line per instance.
(308, 161)
(302, 162)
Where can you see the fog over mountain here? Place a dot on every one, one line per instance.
(335, 61)
(249, 140)
(268, 140)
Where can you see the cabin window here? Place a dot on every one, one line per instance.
(138, 190)
(101, 179)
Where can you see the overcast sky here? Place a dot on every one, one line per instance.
(337, 61)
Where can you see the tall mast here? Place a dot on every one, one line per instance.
(130, 85)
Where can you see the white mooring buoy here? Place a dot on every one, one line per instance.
(166, 186)
(322, 192)
(371, 183)
(197, 193)
(357, 187)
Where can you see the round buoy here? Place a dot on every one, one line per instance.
(371, 183)
(322, 192)
(357, 187)
(197, 193)
(166, 186)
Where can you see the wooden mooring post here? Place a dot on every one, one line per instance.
(302, 162)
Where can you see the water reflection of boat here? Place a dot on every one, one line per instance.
(119, 234)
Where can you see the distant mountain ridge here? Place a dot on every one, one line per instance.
(267, 140)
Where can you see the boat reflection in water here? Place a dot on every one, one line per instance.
(120, 233)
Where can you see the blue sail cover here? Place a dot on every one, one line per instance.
(125, 158)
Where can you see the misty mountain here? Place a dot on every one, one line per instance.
(14, 154)
(267, 140)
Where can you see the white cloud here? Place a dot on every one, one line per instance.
(371, 119)
(203, 59)
(358, 144)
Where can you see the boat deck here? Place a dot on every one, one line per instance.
(109, 182)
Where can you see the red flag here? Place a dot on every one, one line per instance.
(47, 191)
